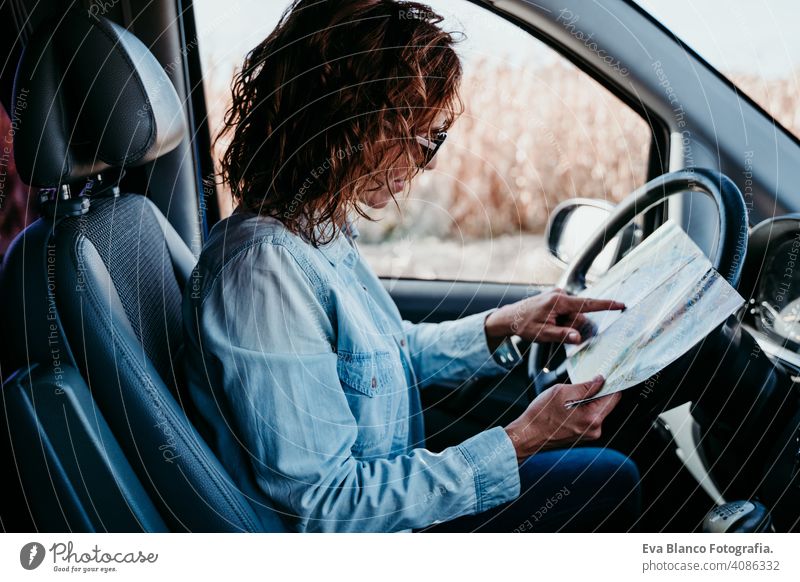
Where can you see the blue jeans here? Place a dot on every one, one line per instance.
(572, 490)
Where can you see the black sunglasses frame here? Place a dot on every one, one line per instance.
(431, 146)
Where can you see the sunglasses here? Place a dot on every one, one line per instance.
(431, 147)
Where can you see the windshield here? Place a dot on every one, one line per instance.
(752, 42)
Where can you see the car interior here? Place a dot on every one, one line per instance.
(110, 135)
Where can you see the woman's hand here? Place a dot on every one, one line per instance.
(548, 424)
(548, 317)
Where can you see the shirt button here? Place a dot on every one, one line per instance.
(403, 342)
(374, 382)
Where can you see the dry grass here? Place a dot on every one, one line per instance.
(528, 140)
(779, 97)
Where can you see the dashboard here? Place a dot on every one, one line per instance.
(771, 283)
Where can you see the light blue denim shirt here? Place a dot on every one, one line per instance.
(307, 380)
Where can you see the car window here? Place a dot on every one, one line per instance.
(535, 131)
(753, 43)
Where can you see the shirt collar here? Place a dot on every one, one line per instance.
(342, 249)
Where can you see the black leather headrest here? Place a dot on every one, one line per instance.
(88, 95)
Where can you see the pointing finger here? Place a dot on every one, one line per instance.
(569, 304)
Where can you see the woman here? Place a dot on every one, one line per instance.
(304, 374)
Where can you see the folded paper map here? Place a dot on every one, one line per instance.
(673, 297)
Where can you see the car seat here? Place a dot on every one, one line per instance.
(98, 437)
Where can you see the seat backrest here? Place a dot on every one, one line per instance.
(103, 290)
(148, 266)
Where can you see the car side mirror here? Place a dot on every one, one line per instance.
(571, 225)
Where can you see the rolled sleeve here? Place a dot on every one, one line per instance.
(452, 350)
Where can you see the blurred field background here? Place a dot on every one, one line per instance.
(530, 138)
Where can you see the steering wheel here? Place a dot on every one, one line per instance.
(546, 362)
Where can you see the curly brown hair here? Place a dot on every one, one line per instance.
(330, 102)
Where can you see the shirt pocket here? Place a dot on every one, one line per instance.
(367, 384)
